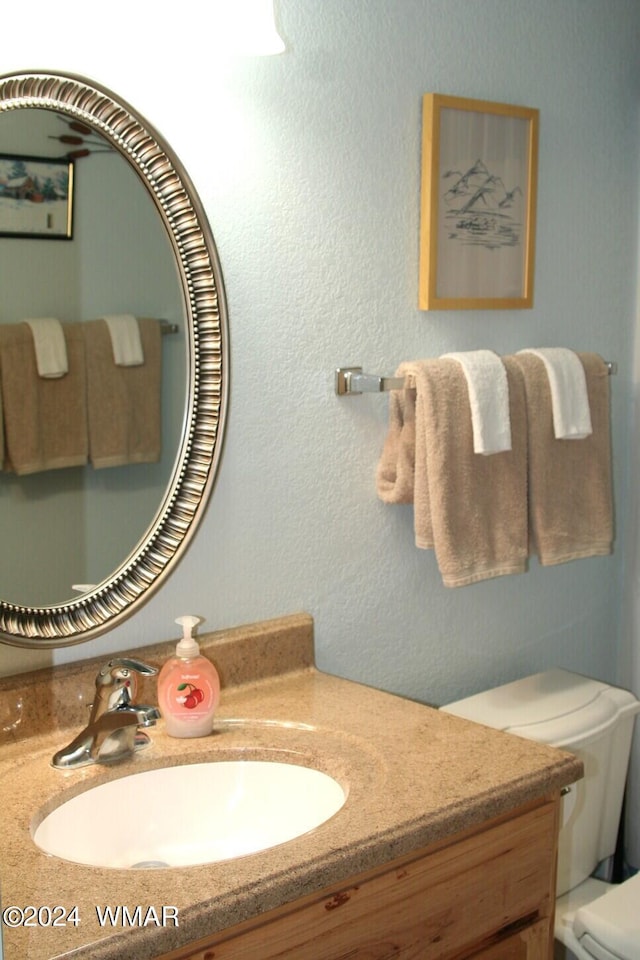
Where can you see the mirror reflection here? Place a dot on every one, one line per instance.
(75, 525)
(94, 289)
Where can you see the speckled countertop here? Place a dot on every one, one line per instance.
(413, 775)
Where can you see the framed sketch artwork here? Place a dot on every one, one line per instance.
(477, 216)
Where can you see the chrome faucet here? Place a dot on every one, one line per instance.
(113, 732)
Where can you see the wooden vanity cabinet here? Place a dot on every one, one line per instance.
(486, 894)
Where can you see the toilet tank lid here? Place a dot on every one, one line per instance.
(556, 707)
(612, 921)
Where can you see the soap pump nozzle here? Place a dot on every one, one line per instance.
(188, 645)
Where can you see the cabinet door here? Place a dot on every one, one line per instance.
(532, 943)
(477, 897)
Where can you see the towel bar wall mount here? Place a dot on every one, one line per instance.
(351, 381)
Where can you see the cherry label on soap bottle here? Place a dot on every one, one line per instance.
(194, 697)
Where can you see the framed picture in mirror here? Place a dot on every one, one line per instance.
(478, 203)
(36, 197)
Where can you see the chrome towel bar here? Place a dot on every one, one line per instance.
(352, 381)
(167, 326)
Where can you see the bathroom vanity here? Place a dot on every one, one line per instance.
(444, 848)
(486, 894)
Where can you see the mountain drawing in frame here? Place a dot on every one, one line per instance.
(477, 230)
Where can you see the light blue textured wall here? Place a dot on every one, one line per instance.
(308, 165)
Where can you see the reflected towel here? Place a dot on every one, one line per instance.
(124, 403)
(45, 419)
(1, 417)
(50, 346)
(489, 399)
(471, 510)
(570, 494)
(126, 342)
(569, 399)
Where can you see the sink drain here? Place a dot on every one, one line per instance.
(149, 865)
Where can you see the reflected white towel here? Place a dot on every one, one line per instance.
(488, 397)
(569, 398)
(125, 340)
(50, 347)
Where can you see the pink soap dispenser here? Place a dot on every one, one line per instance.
(188, 687)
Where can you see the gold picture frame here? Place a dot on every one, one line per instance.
(478, 204)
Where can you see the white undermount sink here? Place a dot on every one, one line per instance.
(191, 814)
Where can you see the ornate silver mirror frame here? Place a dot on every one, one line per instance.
(142, 572)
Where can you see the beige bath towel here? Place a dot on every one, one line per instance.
(472, 510)
(124, 404)
(570, 495)
(396, 469)
(45, 419)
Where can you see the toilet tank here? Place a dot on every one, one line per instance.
(588, 718)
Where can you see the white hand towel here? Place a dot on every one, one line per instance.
(125, 340)
(50, 347)
(569, 398)
(489, 399)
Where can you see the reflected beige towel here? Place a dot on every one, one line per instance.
(2, 448)
(471, 509)
(123, 403)
(570, 494)
(45, 419)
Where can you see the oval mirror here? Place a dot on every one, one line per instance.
(100, 227)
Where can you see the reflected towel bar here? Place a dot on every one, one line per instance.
(352, 381)
(166, 326)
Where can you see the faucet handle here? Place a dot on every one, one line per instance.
(127, 663)
(117, 684)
